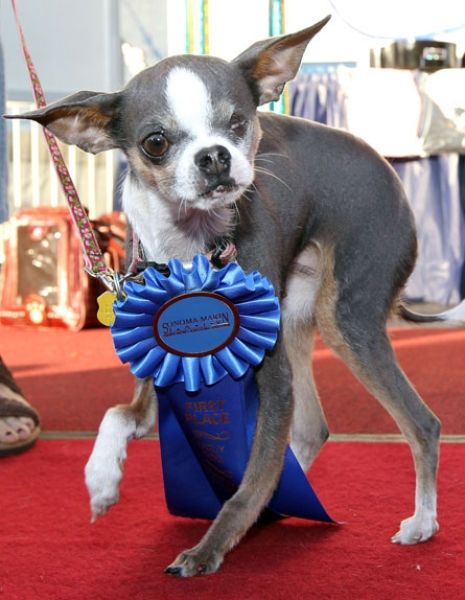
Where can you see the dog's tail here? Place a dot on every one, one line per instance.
(455, 315)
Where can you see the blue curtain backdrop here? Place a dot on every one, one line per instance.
(3, 156)
(319, 96)
(435, 188)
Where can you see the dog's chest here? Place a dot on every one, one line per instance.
(172, 232)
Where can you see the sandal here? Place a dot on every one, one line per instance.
(19, 422)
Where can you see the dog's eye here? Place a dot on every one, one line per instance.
(155, 145)
(238, 124)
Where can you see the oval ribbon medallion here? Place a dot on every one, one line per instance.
(196, 324)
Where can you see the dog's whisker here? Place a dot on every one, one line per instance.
(181, 206)
(264, 171)
(271, 154)
(264, 160)
(251, 190)
(235, 208)
(247, 197)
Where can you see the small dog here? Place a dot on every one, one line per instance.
(314, 209)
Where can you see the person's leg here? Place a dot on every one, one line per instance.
(19, 422)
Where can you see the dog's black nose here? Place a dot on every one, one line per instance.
(213, 161)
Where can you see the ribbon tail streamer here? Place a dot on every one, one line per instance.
(187, 489)
(210, 436)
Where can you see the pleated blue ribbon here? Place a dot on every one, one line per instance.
(199, 333)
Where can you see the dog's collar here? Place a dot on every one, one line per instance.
(222, 252)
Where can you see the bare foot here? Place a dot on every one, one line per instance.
(15, 429)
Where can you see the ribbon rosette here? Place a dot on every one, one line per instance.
(198, 332)
(133, 330)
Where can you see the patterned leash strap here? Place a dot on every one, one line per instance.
(93, 257)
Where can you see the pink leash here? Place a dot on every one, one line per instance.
(93, 257)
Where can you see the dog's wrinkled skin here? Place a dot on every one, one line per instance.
(314, 209)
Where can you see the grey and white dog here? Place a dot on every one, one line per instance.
(312, 208)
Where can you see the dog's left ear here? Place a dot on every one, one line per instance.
(268, 65)
(84, 119)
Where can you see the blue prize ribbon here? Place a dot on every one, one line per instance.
(199, 333)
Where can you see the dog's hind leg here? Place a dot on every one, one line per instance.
(309, 429)
(357, 333)
(104, 469)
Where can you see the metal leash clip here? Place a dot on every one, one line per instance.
(118, 280)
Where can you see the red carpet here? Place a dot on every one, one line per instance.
(73, 377)
(51, 552)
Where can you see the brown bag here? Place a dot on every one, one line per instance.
(43, 281)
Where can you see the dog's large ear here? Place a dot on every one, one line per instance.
(84, 119)
(270, 64)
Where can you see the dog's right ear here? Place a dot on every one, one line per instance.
(84, 119)
(270, 64)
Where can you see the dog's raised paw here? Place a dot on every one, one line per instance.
(195, 562)
(99, 505)
(416, 529)
(102, 480)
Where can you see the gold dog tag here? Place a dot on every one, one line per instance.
(105, 313)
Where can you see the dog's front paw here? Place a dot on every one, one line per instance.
(196, 561)
(416, 529)
(103, 475)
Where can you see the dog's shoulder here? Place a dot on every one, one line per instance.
(332, 152)
(276, 128)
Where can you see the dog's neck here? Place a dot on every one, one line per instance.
(167, 231)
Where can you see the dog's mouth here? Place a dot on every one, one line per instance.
(219, 191)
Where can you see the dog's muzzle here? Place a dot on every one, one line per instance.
(215, 164)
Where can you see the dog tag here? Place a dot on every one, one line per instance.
(105, 313)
